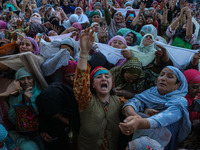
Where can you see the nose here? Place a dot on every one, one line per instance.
(162, 77)
(26, 80)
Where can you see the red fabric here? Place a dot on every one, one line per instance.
(192, 76)
(193, 115)
(70, 68)
(127, 14)
(160, 6)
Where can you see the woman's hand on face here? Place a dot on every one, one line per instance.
(129, 125)
(127, 54)
(150, 112)
(27, 94)
(86, 41)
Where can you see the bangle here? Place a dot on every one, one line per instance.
(83, 57)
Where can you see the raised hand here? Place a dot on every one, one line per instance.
(86, 41)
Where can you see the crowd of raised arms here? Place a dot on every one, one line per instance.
(99, 74)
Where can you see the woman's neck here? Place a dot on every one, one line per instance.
(104, 98)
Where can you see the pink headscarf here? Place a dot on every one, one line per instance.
(77, 26)
(70, 68)
(117, 37)
(192, 76)
(3, 25)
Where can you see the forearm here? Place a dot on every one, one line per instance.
(189, 29)
(144, 123)
(164, 17)
(107, 16)
(135, 20)
(175, 23)
(129, 111)
(82, 88)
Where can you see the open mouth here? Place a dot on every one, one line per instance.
(104, 86)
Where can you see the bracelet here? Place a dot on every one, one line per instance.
(83, 57)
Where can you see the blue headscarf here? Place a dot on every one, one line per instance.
(134, 38)
(152, 99)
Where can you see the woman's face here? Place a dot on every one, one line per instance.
(149, 20)
(53, 33)
(141, 21)
(152, 11)
(65, 3)
(78, 11)
(118, 44)
(158, 7)
(129, 78)
(167, 81)
(26, 82)
(129, 39)
(194, 89)
(96, 18)
(71, 51)
(69, 78)
(97, 6)
(26, 46)
(102, 84)
(148, 40)
(119, 18)
(96, 28)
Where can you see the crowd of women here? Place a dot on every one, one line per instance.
(99, 74)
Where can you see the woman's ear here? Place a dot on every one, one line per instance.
(178, 85)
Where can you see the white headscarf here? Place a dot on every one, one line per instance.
(82, 18)
(36, 18)
(73, 18)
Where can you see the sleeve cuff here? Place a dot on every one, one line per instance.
(154, 124)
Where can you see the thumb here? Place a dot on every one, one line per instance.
(129, 118)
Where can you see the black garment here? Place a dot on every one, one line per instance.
(58, 98)
(37, 28)
(98, 59)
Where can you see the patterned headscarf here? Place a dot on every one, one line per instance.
(144, 143)
(149, 29)
(132, 66)
(97, 71)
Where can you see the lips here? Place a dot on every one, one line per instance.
(104, 86)
(162, 84)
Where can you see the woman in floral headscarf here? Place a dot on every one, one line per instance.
(130, 79)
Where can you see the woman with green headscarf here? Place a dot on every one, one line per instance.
(29, 93)
(130, 79)
(151, 56)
